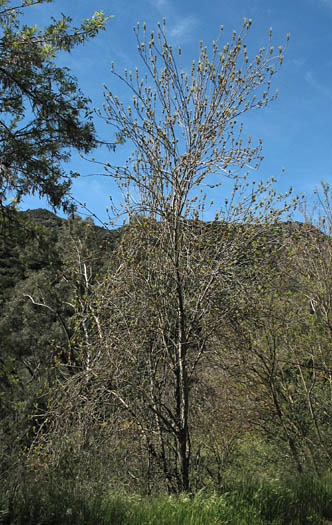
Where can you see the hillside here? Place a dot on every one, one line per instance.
(270, 348)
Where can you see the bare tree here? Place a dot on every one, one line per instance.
(174, 278)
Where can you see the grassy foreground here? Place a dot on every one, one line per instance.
(296, 501)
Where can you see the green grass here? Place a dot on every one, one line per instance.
(293, 501)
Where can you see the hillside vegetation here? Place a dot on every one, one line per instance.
(261, 395)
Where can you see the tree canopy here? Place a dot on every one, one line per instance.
(149, 333)
(44, 114)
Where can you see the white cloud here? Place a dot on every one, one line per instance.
(161, 5)
(299, 62)
(310, 79)
(178, 28)
(182, 29)
(327, 3)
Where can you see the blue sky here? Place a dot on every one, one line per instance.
(296, 129)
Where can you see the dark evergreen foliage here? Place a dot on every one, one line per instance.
(37, 287)
(44, 115)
